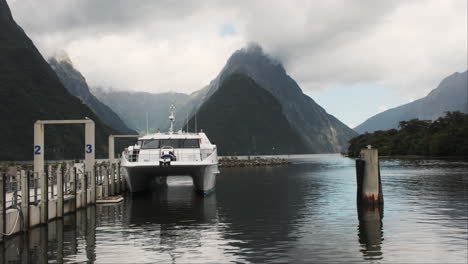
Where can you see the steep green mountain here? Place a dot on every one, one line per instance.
(450, 95)
(320, 131)
(30, 90)
(76, 84)
(132, 107)
(243, 118)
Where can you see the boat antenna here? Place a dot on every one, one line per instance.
(195, 122)
(172, 118)
(147, 132)
(187, 122)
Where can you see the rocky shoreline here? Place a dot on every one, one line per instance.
(251, 162)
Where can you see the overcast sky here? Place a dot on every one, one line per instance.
(397, 50)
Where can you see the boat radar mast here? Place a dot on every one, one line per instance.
(172, 118)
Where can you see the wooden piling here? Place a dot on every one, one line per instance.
(51, 179)
(75, 189)
(112, 179)
(92, 185)
(44, 205)
(84, 190)
(117, 175)
(369, 188)
(59, 191)
(106, 182)
(25, 198)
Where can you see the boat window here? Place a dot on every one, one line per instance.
(190, 143)
(150, 144)
(170, 143)
(179, 143)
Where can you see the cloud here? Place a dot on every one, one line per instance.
(165, 45)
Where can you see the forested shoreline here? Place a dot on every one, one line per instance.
(446, 136)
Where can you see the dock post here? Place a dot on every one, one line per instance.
(25, 198)
(106, 182)
(51, 179)
(75, 183)
(119, 181)
(59, 191)
(44, 205)
(2, 205)
(92, 185)
(84, 190)
(112, 179)
(369, 187)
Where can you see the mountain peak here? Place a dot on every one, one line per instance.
(5, 12)
(253, 53)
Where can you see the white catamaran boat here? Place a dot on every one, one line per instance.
(159, 155)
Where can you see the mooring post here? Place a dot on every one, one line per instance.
(369, 189)
(75, 187)
(91, 180)
(84, 190)
(118, 183)
(51, 181)
(44, 205)
(59, 191)
(25, 198)
(106, 182)
(112, 179)
(2, 205)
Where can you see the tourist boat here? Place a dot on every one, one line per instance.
(156, 156)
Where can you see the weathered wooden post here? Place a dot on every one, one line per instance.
(44, 205)
(59, 191)
(117, 175)
(2, 205)
(25, 198)
(106, 182)
(51, 179)
(75, 187)
(92, 185)
(369, 187)
(84, 190)
(112, 179)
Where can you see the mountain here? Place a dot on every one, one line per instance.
(132, 107)
(450, 95)
(30, 90)
(319, 131)
(76, 84)
(243, 118)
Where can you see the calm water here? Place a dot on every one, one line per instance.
(305, 212)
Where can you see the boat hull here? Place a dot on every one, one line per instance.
(142, 178)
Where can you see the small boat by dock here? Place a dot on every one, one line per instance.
(158, 155)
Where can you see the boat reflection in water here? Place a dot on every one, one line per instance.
(370, 231)
(175, 204)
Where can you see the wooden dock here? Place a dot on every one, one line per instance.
(66, 187)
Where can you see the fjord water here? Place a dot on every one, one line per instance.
(302, 213)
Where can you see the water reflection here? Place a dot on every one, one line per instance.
(370, 231)
(55, 242)
(176, 205)
(303, 213)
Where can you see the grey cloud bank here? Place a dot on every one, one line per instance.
(179, 46)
